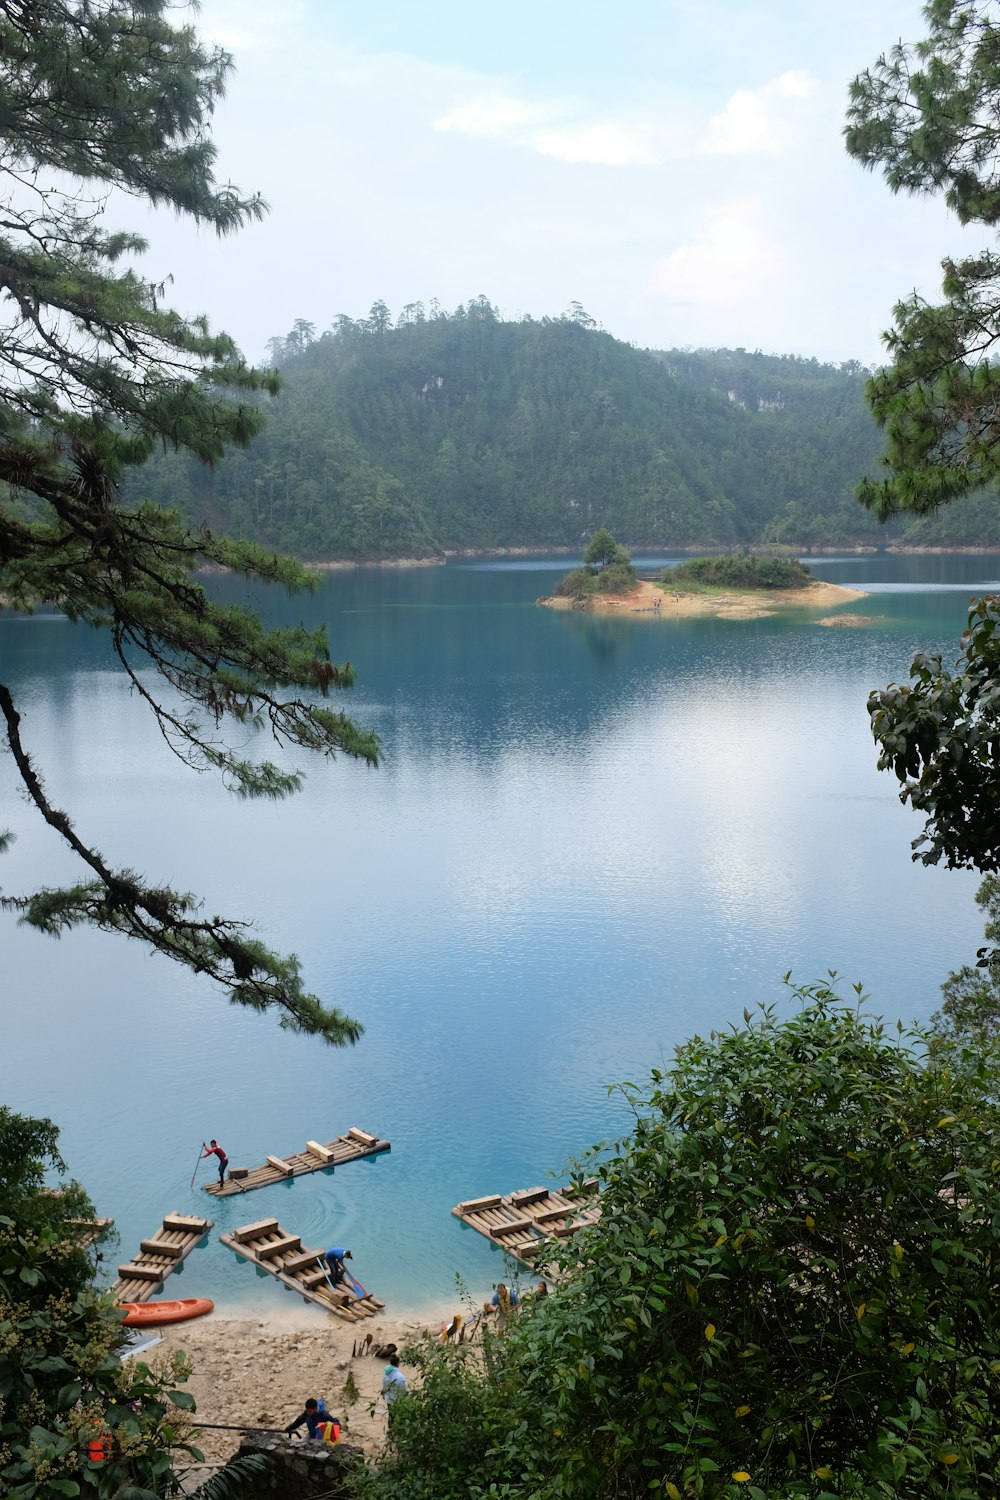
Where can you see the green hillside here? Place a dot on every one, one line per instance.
(464, 430)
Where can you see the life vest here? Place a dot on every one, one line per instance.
(98, 1449)
(329, 1431)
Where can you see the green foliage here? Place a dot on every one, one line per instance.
(940, 736)
(607, 570)
(28, 1149)
(926, 116)
(463, 430)
(62, 1384)
(97, 373)
(441, 1437)
(580, 583)
(601, 549)
(970, 1013)
(738, 571)
(789, 1292)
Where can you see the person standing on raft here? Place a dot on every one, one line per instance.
(216, 1150)
(335, 1260)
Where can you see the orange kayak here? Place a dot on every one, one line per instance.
(149, 1314)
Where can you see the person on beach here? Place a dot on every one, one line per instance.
(335, 1260)
(314, 1415)
(214, 1149)
(504, 1301)
(393, 1383)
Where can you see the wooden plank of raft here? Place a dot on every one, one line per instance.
(141, 1270)
(187, 1223)
(364, 1136)
(254, 1231)
(526, 1196)
(161, 1247)
(280, 1247)
(280, 1165)
(472, 1205)
(323, 1152)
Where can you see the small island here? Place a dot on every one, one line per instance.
(734, 586)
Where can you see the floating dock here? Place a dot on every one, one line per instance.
(349, 1147)
(157, 1258)
(271, 1248)
(526, 1222)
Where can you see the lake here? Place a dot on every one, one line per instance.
(590, 838)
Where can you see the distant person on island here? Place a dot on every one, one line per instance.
(314, 1416)
(335, 1260)
(216, 1150)
(393, 1383)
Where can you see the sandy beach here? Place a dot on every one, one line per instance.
(732, 604)
(260, 1371)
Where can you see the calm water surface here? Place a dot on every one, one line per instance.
(590, 838)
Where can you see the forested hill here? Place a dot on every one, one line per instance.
(465, 430)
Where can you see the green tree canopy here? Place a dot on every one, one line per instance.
(927, 116)
(95, 371)
(789, 1291)
(940, 736)
(601, 549)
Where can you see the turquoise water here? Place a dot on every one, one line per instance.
(589, 839)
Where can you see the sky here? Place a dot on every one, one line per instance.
(675, 166)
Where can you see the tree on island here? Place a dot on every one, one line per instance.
(928, 116)
(607, 569)
(790, 1291)
(107, 96)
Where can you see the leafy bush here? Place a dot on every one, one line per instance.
(577, 584)
(737, 571)
(62, 1384)
(790, 1292)
(617, 578)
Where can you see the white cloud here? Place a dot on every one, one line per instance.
(545, 129)
(757, 122)
(609, 145)
(731, 261)
(495, 116)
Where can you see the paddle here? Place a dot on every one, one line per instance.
(198, 1163)
(326, 1272)
(356, 1284)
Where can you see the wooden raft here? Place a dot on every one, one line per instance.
(283, 1255)
(349, 1147)
(526, 1222)
(146, 1272)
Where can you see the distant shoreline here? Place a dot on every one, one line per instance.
(336, 564)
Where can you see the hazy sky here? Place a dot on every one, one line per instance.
(674, 165)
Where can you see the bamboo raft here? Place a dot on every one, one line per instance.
(157, 1258)
(87, 1232)
(525, 1223)
(269, 1247)
(315, 1158)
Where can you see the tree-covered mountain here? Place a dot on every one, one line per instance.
(452, 430)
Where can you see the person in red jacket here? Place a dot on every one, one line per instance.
(216, 1150)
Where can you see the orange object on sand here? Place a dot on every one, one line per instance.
(149, 1314)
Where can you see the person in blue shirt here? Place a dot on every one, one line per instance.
(335, 1260)
(393, 1383)
(315, 1413)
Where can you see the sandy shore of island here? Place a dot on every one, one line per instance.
(648, 599)
(258, 1372)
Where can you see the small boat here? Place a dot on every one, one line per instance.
(149, 1314)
